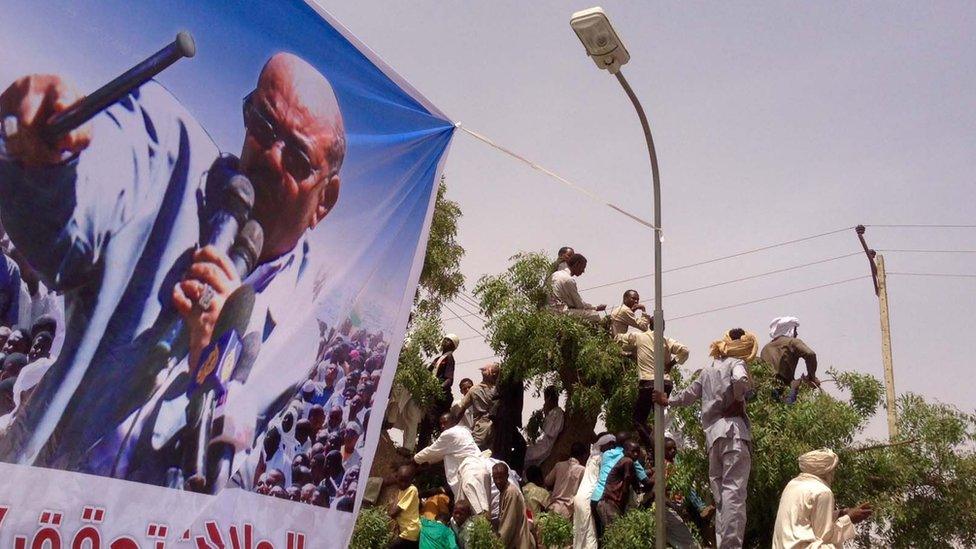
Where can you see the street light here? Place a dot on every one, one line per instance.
(608, 52)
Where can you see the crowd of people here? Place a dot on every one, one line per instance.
(311, 452)
(593, 486)
(31, 331)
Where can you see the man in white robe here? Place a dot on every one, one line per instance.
(552, 425)
(466, 469)
(806, 516)
(584, 530)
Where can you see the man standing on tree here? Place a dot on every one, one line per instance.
(721, 388)
(443, 369)
(806, 516)
(641, 344)
(479, 400)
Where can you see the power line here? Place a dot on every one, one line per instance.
(924, 226)
(477, 359)
(722, 258)
(942, 275)
(929, 251)
(810, 289)
(457, 316)
(760, 275)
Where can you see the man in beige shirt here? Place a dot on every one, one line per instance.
(641, 344)
(564, 295)
(624, 316)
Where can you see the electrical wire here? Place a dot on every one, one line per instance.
(928, 251)
(744, 303)
(941, 275)
(759, 275)
(924, 226)
(457, 316)
(722, 258)
(476, 360)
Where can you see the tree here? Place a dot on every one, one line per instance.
(929, 480)
(545, 348)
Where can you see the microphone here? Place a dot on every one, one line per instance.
(244, 256)
(123, 85)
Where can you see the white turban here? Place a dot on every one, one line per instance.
(600, 443)
(784, 325)
(820, 463)
(453, 339)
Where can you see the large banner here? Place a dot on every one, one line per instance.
(210, 248)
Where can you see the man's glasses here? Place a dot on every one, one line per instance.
(263, 128)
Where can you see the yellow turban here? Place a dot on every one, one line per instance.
(746, 347)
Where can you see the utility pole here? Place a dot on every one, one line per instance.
(881, 290)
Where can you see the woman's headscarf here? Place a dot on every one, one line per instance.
(745, 348)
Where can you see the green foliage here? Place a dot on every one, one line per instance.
(441, 278)
(533, 427)
(633, 529)
(481, 536)
(928, 482)
(543, 347)
(373, 530)
(555, 531)
(412, 372)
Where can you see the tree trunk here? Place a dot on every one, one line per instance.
(577, 427)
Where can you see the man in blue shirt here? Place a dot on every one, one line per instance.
(113, 216)
(607, 461)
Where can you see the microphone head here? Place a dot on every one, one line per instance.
(247, 247)
(185, 44)
(236, 313)
(238, 196)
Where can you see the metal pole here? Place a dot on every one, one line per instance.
(660, 534)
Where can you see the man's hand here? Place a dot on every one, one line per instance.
(201, 295)
(860, 513)
(659, 398)
(640, 307)
(602, 307)
(26, 107)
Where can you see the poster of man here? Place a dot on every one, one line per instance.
(230, 232)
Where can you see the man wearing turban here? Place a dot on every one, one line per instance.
(722, 389)
(785, 350)
(806, 516)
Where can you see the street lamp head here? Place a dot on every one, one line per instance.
(600, 40)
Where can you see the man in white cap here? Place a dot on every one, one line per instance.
(443, 369)
(806, 516)
(785, 350)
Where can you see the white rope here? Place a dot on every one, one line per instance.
(559, 178)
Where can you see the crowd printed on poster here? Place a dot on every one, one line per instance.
(50, 534)
(210, 246)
